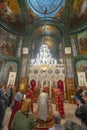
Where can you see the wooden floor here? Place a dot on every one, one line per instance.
(69, 114)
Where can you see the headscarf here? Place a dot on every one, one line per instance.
(18, 96)
(26, 106)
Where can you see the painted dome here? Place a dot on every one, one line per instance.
(45, 7)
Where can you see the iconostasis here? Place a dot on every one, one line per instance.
(47, 75)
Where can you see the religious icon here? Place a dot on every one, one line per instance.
(23, 84)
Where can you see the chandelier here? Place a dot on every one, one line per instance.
(44, 57)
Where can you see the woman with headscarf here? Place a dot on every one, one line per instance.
(24, 119)
(29, 95)
(16, 106)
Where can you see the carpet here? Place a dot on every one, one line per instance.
(44, 124)
(41, 129)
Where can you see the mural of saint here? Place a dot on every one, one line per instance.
(82, 40)
(81, 66)
(7, 43)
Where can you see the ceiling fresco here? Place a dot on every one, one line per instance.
(22, 17)
(79, 13)
(10, 11)
(10, 14)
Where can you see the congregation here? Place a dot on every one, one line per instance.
(23, 116)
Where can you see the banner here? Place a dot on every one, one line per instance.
(11, 78)
(82, 79)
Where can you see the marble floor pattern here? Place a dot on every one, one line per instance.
(69, 114)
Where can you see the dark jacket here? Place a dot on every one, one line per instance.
(23, 122)
(78, 94)
(56, 127)
(2, 109)
(4, 97)
(81, 113)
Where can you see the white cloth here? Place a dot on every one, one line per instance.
(43, 106)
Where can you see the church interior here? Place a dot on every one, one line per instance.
(43, 43)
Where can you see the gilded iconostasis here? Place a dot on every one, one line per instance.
(46, 75)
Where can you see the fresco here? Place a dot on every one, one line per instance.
(69, 68)
(82, 42)
(7, 67)
(5, 11)
(1, 64)
(79, 13)
(10, 13)
(73, 45)
(7, 43)
(81, 66)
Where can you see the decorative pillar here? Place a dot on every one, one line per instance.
(74, 45)
(70, 86)
(25, 55)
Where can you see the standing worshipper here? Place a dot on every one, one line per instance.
(43, 106)
(24, 119)
(60, 84)
(33, 84)
(79, 95)
(81, 111)
(29, 94)
(15, 107)
(57, 121)
(4, 96)
(2, 109)
(10, 94)
(59, 97)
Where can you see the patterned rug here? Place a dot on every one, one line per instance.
(44, 124)
(41, 129)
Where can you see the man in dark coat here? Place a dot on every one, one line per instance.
(81, 111)
(2, 109)
(79, 94)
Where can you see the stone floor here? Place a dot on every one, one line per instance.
(69, 114)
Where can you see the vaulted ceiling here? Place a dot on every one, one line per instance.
(17, 13)
(44, 19)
